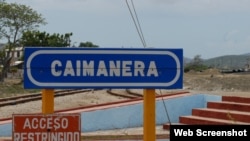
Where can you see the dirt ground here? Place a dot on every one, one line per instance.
(213, 82)
(207, 82)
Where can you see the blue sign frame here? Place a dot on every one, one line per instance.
(57, 67)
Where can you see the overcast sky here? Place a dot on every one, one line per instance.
(209, 28)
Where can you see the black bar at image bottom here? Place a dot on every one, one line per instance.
(195, 132)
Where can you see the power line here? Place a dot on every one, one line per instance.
(165, 107)
(139, 31)
(136, 22)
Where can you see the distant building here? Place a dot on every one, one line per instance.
(16, 54)
(247, 67)
(1, 45)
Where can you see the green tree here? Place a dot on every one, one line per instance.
(43, 39)
(196, 64)
(197, 61)
(15, 19)
(87, 44)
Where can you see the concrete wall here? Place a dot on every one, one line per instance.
(128, 116)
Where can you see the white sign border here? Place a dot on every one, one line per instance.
(106, 84)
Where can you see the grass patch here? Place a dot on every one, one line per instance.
(14, 87)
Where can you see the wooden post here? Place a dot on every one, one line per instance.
(149, 133)
(47, 101)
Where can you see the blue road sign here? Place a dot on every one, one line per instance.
(51, 67)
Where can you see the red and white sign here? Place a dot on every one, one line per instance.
(52, 127)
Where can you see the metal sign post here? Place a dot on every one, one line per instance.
(47, 101)
(149, 133)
